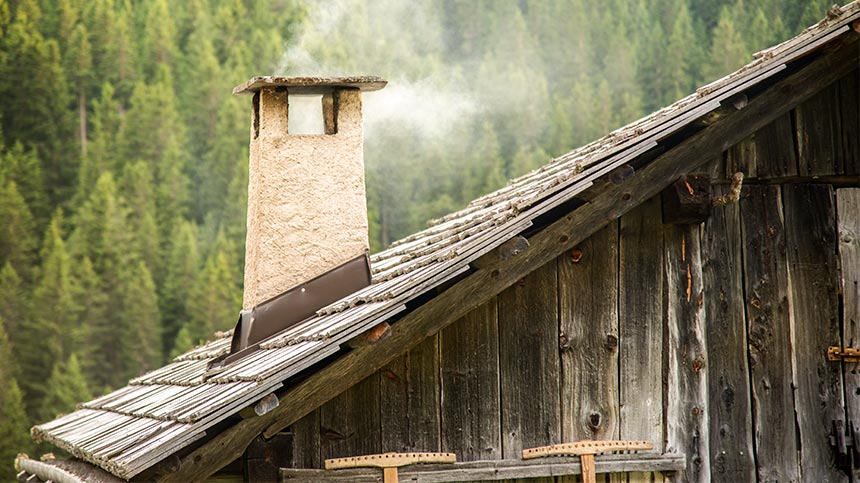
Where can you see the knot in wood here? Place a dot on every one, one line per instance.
(611, 342)
(563, 342)
(594, 420)
(697, 365)
(576, 255)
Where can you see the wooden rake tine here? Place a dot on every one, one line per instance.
(389, 462)
(586, 451)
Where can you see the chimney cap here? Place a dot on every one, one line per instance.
(311, 84)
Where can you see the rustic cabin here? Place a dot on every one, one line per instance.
(678, 300)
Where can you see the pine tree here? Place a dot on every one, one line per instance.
(51, 316)
(138, 323)
(17, 243)
(24, 168)
(682, 57)
(727, 48)
(95, 322)
(41, 117)
(182, 342)
(139, 198)
(79, 63)
(13, 299)
(214, 300)
(183, 265)
(14, 423)
(67, 387)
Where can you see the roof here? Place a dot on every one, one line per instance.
(362, 83)
(159, 413)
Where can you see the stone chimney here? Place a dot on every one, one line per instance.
(307, 210)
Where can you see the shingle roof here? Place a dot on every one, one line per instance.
(157, 414)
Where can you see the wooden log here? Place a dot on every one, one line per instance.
(495, 470)
(766, 296)
(848, 212)
(687, 354)
(469, 366)
(810, 225)
(529, 362)
(410, 392)
(588, 338)
(350, 423)
(818, 133)
(730, 408)
(849, 104)
(484, 284)
(640, 331)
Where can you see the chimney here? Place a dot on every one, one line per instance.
(307, 210)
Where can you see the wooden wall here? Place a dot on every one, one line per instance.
(706, 339)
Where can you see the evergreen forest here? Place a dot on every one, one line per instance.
(123, 155)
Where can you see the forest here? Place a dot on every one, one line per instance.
(123, 155)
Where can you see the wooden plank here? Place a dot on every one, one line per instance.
(588, 335)
(483, 284)
(306, 441)
(766, 297)
(742, 158)
(774, 149)
(848, 216)
(687, 353)
(410, 393)
(810, 225)
(495, 470)
(350, 423)
(264, 458)
(849, 103)
(640, 331)
(529, 362)
(588, 338)
(818, 133)
(730, 408)
(469, 363)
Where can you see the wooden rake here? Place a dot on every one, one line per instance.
(586, 451)
(389, 462)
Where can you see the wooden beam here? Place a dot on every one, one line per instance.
(485, 283)
(495, 470)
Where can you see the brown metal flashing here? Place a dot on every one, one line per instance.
(307, 85)
(293, 306)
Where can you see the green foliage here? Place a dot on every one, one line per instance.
(119, 111)
(68, 388)
(14, 423)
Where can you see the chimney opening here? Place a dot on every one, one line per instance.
(305, 114)
(255, 115)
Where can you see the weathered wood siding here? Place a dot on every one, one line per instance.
(707, 339)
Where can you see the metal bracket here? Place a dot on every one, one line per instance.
(849, 354)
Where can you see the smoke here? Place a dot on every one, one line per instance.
(399, 41)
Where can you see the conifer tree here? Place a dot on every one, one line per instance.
(183, 265)
(14, 423)
(139, 198)
(727, 48)
(94, 321)
(138, 322)
(682, 57)
(183, 341)
(17, 243)
(214, 300)
(13, 301)
(51, 315)
(79, 63)
(67, 387)
(24, 168)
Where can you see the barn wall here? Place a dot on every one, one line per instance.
(707, 339)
